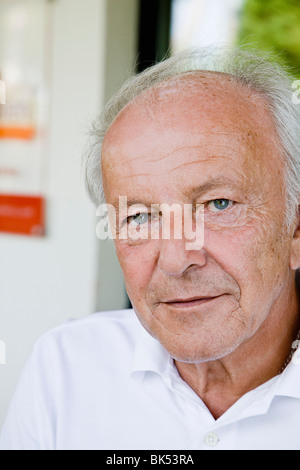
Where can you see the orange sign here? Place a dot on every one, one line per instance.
(25, 133)
(22, 215)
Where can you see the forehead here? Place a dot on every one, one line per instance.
(207, 118)
(194, 100)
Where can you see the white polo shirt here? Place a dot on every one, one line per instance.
(104, 383)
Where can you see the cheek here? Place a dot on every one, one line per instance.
(254, 257)
(233, 250)
(273, 260)
(137, 263)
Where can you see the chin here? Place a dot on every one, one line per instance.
(191, 341)
(199, 351)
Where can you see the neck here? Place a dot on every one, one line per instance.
(222, 382)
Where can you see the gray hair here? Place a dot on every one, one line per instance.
(255, 71)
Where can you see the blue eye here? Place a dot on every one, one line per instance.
(218, 205)
(139, 219)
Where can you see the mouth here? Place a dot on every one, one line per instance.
(192, 302)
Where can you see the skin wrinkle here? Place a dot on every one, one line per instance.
(183, 165)
(177, 150)
(247, 221)
(179, 333)
(241, 338)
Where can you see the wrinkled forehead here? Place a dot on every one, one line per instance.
(194, 127)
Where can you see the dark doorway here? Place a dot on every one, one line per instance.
(154, 32)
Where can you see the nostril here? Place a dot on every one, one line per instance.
(174, 259)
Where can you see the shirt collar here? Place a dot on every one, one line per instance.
(288, 384)
(151, 356)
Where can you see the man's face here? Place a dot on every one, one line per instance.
(205, 141)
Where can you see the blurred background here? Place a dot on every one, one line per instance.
(60, 61)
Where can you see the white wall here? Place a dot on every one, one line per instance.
(43, 282)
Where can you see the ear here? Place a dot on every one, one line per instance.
(295, 246)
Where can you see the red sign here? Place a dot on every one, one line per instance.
(22, 214)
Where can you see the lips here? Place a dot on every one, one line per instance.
(191, 302)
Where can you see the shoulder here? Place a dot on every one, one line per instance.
(91, 338)
(95, 323)
(72, 376)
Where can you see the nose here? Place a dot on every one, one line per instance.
(174, 257)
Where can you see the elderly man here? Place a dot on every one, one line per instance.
(205, 357)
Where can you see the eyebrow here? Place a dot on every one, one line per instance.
(215, 183)
(131, 202)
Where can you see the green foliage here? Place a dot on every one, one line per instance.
(273, 25)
